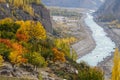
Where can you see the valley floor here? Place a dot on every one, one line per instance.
(78, 29)
(114, 34)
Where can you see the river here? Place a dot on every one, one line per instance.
(104, 45)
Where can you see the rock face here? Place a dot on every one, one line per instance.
(41, 14)
(91, 4)
(109, 11)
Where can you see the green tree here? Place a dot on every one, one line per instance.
(8, 28)
(35, 59)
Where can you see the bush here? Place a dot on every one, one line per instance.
(35, 59)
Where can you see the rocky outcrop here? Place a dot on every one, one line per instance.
(109, 11)
(22, 73)
(44, 16)
(41, 14)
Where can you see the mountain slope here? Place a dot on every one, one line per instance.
(40, 14)
(109, 11)
(91, 4)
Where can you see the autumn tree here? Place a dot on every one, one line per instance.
(35, 59)
(34, 30)
(6, 21)
(16, 55)
(58, 55)
(64, 45)
(116, 67)
(1, 60)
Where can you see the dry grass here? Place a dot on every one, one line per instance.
(12, 78)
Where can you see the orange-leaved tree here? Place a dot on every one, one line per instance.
(58, 55)
(16, 56)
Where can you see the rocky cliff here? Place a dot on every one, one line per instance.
(41, 14)
(109, 11)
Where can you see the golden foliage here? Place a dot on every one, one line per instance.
(64, 45)
(67, 41)
(58, 55)
(28, 9)
(1, 60)
(116, 67)
(16, 56)
(6, 20)
(32, 29)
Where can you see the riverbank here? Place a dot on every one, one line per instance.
(86, 45)
(75, 27)
(107, 64)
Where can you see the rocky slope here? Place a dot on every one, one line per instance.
(109, 11)
(41, 14)
(91, 4)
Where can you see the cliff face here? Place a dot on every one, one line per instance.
(41, 14)
(90, 4)
(109, 11)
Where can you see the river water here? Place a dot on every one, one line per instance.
(104, 45)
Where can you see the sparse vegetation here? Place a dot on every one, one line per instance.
(63, 12)
(26, 5)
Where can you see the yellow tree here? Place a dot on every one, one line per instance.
(64, 44)
(1, 60)
(16, 56)
(32, 29)
(116, 67)
(6, 20)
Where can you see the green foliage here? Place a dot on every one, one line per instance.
(40, 77)
(37, 50)
(4, 51)
(35, 59)
(85, 72)
(46, 49)
(8, 30)
(89, 73)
